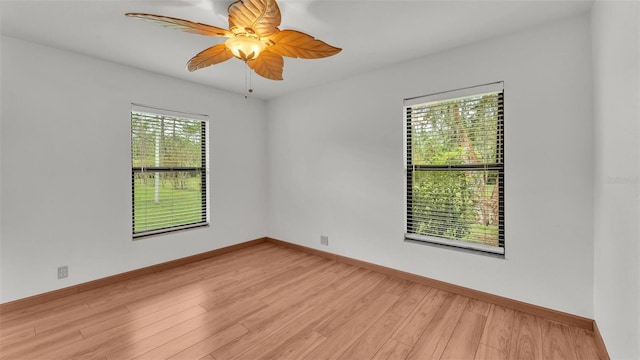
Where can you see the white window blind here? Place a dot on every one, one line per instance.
(169, 152)
(454, 156)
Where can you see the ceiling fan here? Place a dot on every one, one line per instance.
(253, 36)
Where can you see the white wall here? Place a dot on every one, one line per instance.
(66, 176)
(0, 159)
(336, 168)
(616, 60)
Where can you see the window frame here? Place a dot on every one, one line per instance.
(203, 169)
(410, 168)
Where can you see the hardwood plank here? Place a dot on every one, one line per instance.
(292, 280)
(298, 338)
(298, 348)
(526, 340)
(36, 300)
(149, 343)
(303, 293)
(261, 282)
(486, 352)
(557, 341)
(214, 321)
(498, 332)
(357, 301)
(117, 338)
(435, 337)
(135, 320)
(289, 340)
(401, 286)
(201, 341)
(367, 345)
(257, 335)
(32, 320)
(77, 321)
(410, 299)
(200, 292)
(320, 301)
(37, 346)
(465, 338)
(361, 283)
(479, 307)
(344, 336)
(586, 347)
(413, 326)
(67, 304)
(156, 286)
(392, 350)
(11, 336)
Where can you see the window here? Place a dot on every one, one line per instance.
(454, 155)
(169, 170)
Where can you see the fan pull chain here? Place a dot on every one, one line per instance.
(247, 88)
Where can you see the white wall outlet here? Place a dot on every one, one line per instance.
(63, 272)
(324, 240)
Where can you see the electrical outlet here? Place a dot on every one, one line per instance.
(63, 272)
(324, 240)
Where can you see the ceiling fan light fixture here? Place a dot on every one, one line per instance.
(253, 37)
(245, 47)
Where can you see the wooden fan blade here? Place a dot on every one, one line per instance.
(184, 25)
(297, 44)
(268, 65)
(260, 17)
(211, 56)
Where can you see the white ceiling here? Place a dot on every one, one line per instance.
(372, 33)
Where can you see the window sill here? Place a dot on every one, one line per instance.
(159, 232)
(487, 250)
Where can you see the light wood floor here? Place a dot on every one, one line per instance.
(270, 302)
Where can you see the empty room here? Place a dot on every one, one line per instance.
(319, 179)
